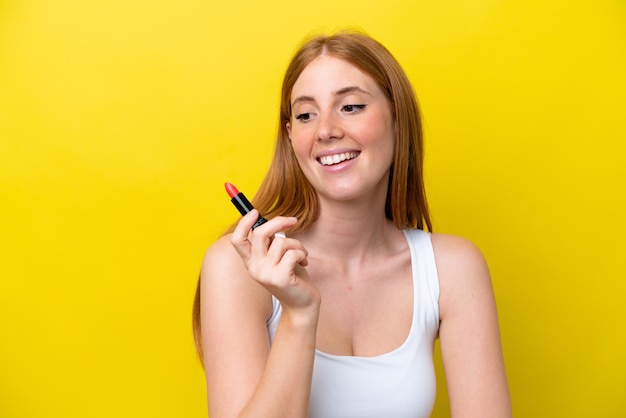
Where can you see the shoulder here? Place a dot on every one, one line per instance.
(221, 254)
(225, 280)
(453, 252)
(462, 270)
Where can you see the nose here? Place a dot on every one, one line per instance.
(329, 127)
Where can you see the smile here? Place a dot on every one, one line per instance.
(337, 158)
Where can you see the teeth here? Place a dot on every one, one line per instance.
(337, 158)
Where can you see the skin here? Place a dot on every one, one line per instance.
(334, 279)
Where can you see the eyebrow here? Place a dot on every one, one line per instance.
(341, 91)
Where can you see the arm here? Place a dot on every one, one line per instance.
(245, 377)
(469, 333)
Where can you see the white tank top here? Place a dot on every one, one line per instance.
(397, 384)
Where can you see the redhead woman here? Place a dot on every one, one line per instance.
(339, 317)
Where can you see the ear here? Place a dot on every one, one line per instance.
(288, 126)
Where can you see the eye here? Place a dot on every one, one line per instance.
(352, 108)
(303, 117)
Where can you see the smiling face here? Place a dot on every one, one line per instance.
(341, 129)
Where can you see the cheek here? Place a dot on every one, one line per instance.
(300, 139)
(300, 148)
(379, 130)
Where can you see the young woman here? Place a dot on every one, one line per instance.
(339, 318)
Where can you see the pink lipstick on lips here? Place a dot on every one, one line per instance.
(242, 204)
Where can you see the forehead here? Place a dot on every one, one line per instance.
(330, 74)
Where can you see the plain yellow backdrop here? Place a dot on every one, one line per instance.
(121, 120)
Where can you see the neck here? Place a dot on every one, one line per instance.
(349, 230)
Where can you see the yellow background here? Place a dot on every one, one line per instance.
(121, 120)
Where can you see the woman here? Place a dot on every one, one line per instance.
(339, 318)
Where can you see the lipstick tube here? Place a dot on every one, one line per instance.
(242, 204)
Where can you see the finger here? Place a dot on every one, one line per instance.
(276, 226)
(293, 257)
(239, 237)
(262, 237)
(279, 247)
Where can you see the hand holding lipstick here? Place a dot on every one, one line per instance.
(277, 264)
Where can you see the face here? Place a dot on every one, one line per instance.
(341, 130)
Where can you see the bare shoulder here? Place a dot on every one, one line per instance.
(224, 275)
(453, 252)
(461, 267)
(233, 307)
(221, 256)
(455, 247)
(221, 251)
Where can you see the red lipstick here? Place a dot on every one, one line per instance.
(242, 204)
